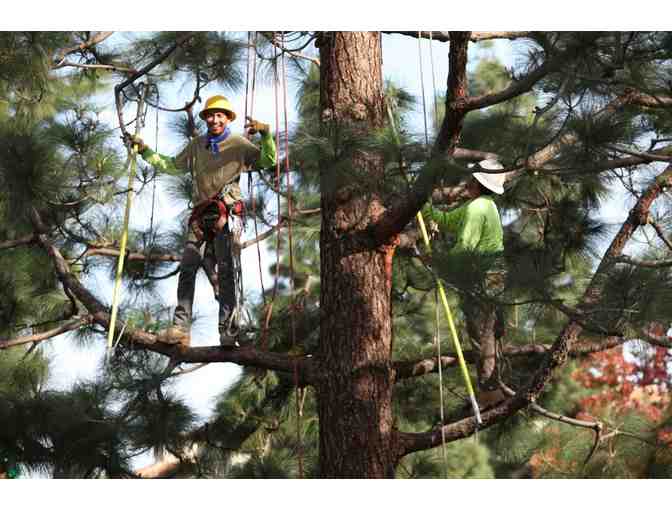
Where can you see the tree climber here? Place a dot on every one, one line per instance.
(215, 161)
(475, 263)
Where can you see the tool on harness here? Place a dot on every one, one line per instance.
(209, 217)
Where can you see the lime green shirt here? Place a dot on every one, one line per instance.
(476, 224)
(215, 172)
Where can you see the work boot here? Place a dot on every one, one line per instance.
(228, 341)
(175, 335)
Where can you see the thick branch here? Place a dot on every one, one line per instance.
(398, 216)
(111, 252)
(626, 259)
(474, 37)
(415, 368)
(515, 89)
(138, 338)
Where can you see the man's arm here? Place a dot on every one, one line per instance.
(164, 163)
(266, 158)
(447, 221)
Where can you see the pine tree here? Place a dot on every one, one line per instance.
(343, 379)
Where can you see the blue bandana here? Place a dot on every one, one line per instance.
(213, 141)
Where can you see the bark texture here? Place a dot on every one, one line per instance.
(355, 387)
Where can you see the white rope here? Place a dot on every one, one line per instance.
(436, 294)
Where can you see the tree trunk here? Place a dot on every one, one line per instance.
(355, 389)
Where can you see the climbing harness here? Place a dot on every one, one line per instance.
(132, 162)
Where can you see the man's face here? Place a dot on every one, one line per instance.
(216, 121)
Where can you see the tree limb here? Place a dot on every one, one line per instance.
(46, 335)
(13, 243)
(270, 405)
(474, 37)
(92, 41)
(137, 338)
(398, 216)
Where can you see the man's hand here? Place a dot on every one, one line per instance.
(134, 140)
(254, 127)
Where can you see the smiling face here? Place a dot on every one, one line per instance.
(217, 120)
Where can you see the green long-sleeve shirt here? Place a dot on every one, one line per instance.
(214, 172)
(476, 225)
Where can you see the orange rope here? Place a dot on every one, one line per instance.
(269, 310)
(250, 186)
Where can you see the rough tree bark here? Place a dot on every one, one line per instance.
(355, 389)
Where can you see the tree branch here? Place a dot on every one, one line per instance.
(137, 338)
(121, 86)
(40, 337)
(92, 41)
(398, 216)
(626, 259)
(416, 368)
(474, 37)
(269, 406)
(22, 241)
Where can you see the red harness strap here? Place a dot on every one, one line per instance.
(196, 219)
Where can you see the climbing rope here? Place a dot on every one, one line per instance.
(269, 309)
(132, 162)
(250, 188)
(299, 393)
(439, 283)
(431, 62)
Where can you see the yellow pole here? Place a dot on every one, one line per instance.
(127, 214)
(451, 325)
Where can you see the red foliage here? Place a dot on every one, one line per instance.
(622, 385)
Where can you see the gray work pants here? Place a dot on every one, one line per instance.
(192, 258)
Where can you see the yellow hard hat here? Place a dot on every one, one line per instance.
(218, 103)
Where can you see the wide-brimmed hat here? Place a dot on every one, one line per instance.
(494, 182)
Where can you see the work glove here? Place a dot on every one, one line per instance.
(254, 127)
(134, 140)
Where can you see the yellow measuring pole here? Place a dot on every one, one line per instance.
(451, 325)
(124, 235)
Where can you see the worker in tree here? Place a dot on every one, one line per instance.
(475, 264)
(216, 161)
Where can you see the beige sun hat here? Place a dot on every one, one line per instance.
(494, 182)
